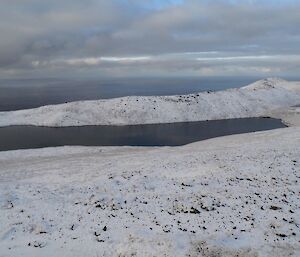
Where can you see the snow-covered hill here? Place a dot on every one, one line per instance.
(254, 100)
(229, 196)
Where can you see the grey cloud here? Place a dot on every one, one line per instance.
(36, 34)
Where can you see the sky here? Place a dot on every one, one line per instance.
(149, 38)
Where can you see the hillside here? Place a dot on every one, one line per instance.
(254, 100)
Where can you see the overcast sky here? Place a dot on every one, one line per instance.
(125, 38)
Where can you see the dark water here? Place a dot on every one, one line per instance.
(30, 93)
(173, 134)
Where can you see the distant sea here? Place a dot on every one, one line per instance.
(18, 94)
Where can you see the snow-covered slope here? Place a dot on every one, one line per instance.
(253, 100)
(230, 196)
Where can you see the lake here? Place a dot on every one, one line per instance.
(171, 134)
(16, 94)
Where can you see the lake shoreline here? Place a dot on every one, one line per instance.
(150, 135)
(216, 193)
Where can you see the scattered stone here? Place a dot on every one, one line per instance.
(194, 210)
(275, 208)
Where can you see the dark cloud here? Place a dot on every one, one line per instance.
(107, 38)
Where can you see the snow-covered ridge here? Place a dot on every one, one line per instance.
(254, 100)
(265, 84)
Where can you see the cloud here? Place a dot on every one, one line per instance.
(130, 37)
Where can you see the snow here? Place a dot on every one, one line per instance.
(229, 196)
(289, 116)
(251, 101)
